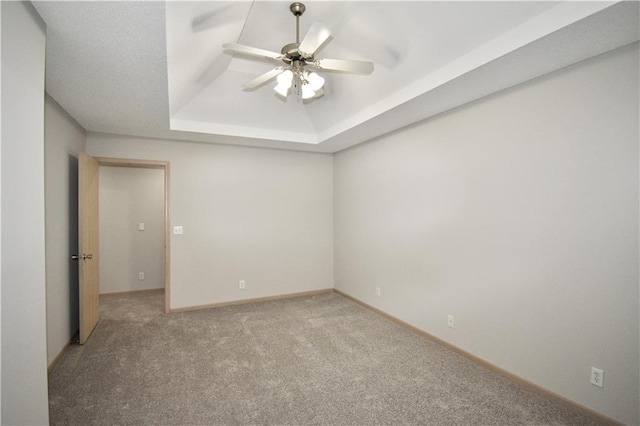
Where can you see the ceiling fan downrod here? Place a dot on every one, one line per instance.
(297, 9)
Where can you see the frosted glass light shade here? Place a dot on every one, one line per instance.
(315, 81)
(285, 80)
(307, 92)
(282, 90)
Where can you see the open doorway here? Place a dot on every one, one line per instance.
(134, 240)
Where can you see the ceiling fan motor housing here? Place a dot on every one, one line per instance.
(291, 53)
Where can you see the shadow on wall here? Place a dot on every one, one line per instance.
(74, 274)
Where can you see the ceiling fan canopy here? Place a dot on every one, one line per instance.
(297, 74)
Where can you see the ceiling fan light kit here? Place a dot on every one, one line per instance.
(306, 85)
(298, 74)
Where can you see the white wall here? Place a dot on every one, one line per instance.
(24, 351)
(259, 215)
(64, 139)
(517, 214)
(130, 196)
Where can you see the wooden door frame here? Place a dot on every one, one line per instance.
(151, 164)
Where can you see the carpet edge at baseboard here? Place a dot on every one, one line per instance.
(128, 292)
(57, 358)
(253, 300)
(562, 399)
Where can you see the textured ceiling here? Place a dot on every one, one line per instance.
(158, 70)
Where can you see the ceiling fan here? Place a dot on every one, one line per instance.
(297, 74)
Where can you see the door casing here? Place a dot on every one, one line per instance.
(151, 164)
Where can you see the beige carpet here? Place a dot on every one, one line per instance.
(308, 360)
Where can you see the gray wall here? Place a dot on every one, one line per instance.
(63, 140)
(24, 348)
(517, 214)
(130, 196)
(259, 215)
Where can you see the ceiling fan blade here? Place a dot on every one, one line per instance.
(262, 79)
(356, 67)
(251, 51)
(317, 35)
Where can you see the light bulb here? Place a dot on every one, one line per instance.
(315, 81)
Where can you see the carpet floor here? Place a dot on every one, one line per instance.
(318, 359)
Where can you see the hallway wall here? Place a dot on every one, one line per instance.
(130, 196)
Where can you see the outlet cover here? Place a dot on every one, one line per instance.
(597, 377)
(451, 321)
(141, 276)
(242, 284)
(177, 230)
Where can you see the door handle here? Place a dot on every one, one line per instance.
(84, 256)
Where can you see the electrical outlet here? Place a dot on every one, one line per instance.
(141, 276)
(242, 283)
(450, 321)
(597, 377)
(378, 291)
(177, 230)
